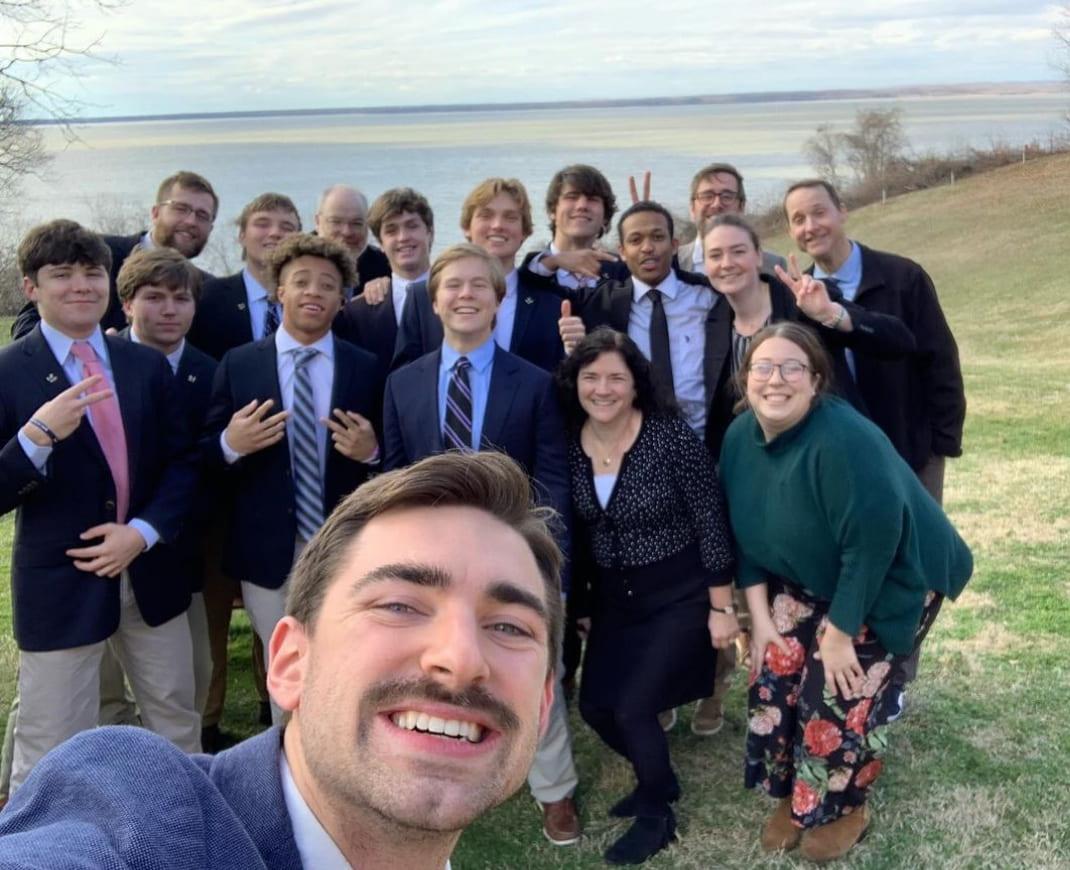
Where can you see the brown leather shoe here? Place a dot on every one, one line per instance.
(561, 822)
(708, 718)
(836, 839)
(779, 834)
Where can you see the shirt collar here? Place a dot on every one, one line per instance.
(314, 844)
(146, 243)
(850, 273)
(60, 344)
(254, 288)
(285, 343)
(669, 287)
(512, 282)
(480, 358)
(174, 357)
(398, 282)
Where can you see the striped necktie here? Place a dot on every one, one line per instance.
(457, 427)
(271, 318)
(308, 480)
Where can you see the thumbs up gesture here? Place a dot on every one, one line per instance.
(570, 326)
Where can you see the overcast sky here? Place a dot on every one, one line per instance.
(219, 55)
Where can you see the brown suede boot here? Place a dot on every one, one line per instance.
(837, 838)
(779, 834)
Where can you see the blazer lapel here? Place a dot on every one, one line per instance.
(239, 305)
(526, 303)
(620, 305)
(718, 342)
(426, 401)
(42, 367)
(500, 397)
(48, 374)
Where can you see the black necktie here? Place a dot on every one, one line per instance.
(457, 427)
(660, 360)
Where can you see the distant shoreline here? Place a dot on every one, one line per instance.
(959, 90)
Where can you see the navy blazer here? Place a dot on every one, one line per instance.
(57, 606)
(522, 420)
(222, 320)
(371, 327)
(196, 371)
(371, 264)
(260, 546)
(535, 334)
(142, 802)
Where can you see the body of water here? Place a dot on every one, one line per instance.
(115, 167)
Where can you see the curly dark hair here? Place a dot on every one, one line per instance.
(591, 346)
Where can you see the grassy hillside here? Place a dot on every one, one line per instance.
(979, 771)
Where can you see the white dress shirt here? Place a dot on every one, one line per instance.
(686, 307)
(60, 345)
(321, 372)
(399, 290)
(506, 316)
(258, 299)
(314, 844)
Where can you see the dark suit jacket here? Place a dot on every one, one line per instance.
(263, 524)
(874, 334)
(535, 334)
(56, 606)
(371, 327)
(144, 803)
(522, 420)
(194, 382)
(222, 319)
(371, 264)
(918, 401)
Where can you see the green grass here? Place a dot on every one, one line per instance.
(979, 771)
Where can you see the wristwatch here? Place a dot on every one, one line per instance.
(728, 610)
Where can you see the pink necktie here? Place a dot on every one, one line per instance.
(107, 423)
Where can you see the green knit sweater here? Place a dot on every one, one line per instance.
(830, 506)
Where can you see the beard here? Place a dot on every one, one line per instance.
(189, 246)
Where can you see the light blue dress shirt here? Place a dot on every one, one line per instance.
(60, 345)
(506, 316)
(321, 373)
(686, 308)
(258, 300)
(849, 278)
(482, 362)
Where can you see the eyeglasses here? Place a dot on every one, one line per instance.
(727, 197)
(336, 223)
(790, 370)
(185, 210)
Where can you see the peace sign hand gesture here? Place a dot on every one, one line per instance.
(63, 413)
(812, 296)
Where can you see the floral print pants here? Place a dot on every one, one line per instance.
(803, 741)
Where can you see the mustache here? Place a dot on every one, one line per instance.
(473, 698)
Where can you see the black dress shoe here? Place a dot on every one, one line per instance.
(647, 836)
(265, 713)
(628, 806)
(625, 808)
